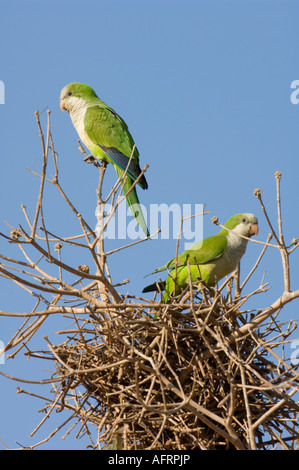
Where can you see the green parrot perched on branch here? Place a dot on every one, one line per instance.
(210, 259)
(107, 137)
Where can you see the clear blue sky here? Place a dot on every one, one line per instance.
(204, 87)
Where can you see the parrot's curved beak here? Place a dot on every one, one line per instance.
(254, 230)
(62, 105)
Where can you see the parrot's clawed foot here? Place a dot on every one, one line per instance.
(91, 159)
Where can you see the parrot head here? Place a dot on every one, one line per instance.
(243, 224)
(75, 93)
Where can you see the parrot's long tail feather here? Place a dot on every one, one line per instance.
(133, 202)
(154, 287)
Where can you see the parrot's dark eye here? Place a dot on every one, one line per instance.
(244, 220)
(69, 93)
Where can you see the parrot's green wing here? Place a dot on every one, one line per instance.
(108, 130)
(203, 252)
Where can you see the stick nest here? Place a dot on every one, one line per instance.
(178, 376)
